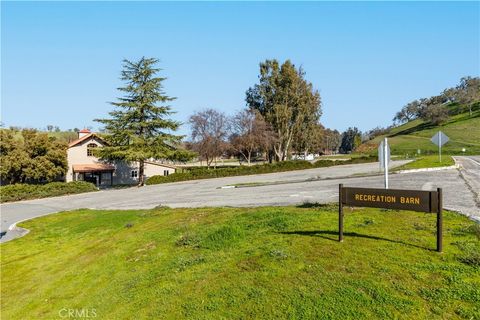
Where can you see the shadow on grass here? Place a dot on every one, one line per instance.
(326, 234)
(420, 127)
(326, 206)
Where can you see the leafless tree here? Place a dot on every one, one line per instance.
(250, 134)
(209, 134)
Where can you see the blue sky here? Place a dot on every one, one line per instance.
(61, 61)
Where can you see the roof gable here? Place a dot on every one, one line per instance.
(89, 136)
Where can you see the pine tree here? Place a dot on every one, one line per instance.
(139, 128)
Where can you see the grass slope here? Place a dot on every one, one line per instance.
(462, 129)
(260, 263)
(431, 161)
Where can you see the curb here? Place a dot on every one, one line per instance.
(14, 232)
(455, 166)
(469, 216)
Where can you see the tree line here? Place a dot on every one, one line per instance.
(281, 119)
(32, 157)
(437, 109)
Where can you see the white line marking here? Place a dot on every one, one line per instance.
(474, 161)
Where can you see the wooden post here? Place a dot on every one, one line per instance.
(439, 221)
(340, 213)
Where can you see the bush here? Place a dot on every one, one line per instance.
(16, 192)
(195, 173)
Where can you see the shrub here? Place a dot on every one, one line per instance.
(16, 192)
(194, 173)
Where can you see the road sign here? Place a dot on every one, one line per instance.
(415, 200)
(440, 138)
(381, 156)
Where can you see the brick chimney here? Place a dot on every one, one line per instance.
(83, 133)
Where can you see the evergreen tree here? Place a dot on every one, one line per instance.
(139, 127)
(350, 140)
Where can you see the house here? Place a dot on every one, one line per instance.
(84, 166)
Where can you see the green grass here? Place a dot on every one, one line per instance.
(462, 129)
(431, 161)
(243, 263)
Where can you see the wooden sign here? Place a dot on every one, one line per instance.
(413, 200)
(423, 201)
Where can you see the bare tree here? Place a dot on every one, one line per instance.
(209, 133)
(250, 134)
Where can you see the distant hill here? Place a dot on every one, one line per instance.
(463, 130)
(64, 136)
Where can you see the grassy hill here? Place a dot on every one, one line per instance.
(462, 129)
(64, 136)
(243, 263)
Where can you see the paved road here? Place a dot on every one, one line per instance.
(470, 172)
(458, 195)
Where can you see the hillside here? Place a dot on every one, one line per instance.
(462, 129)
(64, 136)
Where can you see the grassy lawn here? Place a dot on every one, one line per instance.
(431, 161)
(261, 263)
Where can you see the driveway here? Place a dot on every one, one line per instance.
(294, 187)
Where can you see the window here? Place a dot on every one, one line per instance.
(90, 147)
(165, 172)
(134, 173)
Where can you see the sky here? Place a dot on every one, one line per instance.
(61, 61)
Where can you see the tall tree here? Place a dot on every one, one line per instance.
(331, 141)
(286, 100)
(209, 134)
(351, 139)
(139, 128)
(309, 138)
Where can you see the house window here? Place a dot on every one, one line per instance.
(165, 172)
(90, 147)
(134, 173)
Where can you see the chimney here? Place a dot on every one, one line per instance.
(83, 133)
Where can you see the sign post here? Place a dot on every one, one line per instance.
(439, 221)
(415, 200)
(384, 159)
(439, 139)
(340, 214)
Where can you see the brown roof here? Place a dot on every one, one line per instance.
(84, 131)
(86, 137)
(93, 167)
